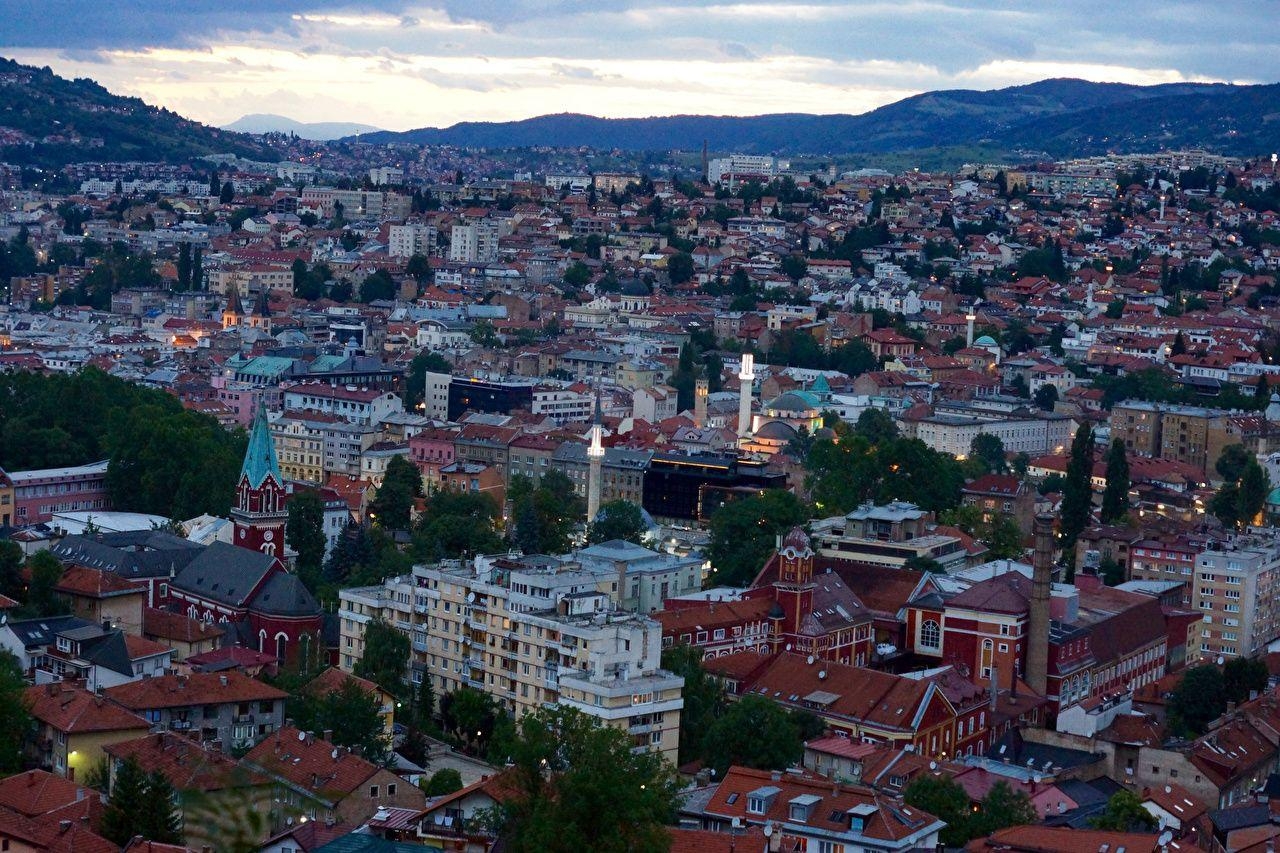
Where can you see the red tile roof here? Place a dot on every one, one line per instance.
(38, 792)
(311, 763)
(198, 688)
(83, 581)
(1062, 839)
(188, 765)
(74, 710)
(176, 626)
(47, 832)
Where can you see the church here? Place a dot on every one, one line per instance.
(245, 586)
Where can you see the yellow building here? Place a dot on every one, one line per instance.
(73, 725)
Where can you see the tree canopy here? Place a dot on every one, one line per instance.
(620, 519)
(401, 486)
(385, 658)
(744, 531)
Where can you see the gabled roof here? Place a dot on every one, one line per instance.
(198, 688)
(225, 573)
(38, 792)
(311, 763)
(75, 710)
(51, 833)
(187, 765)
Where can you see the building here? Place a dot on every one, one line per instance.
(1001, 495)
(366, 406)
(947, 432)
(1192, 435)
(37, 495)
(228, 710)
(693, 486)
(528, 634)
(73, 725)
(622, 471)
(449, 397)
(888, 535)
(477, 242)
(357, 204)
(1237, 588)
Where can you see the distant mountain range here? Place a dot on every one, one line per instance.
(66, 121)
(1059, 117)
(320, 131)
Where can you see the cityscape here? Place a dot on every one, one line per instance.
(904, 478)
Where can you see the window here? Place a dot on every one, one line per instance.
(373, 792)
(930, 635)
(391, 789)
(755, 805)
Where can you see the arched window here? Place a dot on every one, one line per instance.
(269, 548)
(304, 652)
(282, 643)
(262, 641)
(930, 635)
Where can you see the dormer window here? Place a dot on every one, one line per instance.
(759, 800)
(755, 805)
(802, 806)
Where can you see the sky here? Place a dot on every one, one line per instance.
(400, 64)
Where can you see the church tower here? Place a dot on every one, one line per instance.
(793, 590)
(233, 314)
(259, 514)
(261, 316)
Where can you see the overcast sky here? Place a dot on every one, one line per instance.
(409, 64)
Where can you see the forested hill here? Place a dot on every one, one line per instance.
(49, 120)
(1063, 117)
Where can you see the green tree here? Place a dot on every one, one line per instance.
(15, 718)
(401, 485)
(1232, 462)
(1077, 491)
(424, 703)
(1254, 486)
(1111, 570)
(1003, 807)
(304, 531)
(350, 712)
(160, 820)
(471, 716)
(942, 797)
(415, 383)
(418, 266)
(442, 782)
(385, 658)
(754, 731)
(1046, 397)
(794, 267)
(703, 694)
(11, 583)
(990, 450)
(580, 786)
(1199, 698)
(743, 534)
(680, 267)
(1244, 677)
(546, 513)
(1124, 813)
(876, 426)
(1115, 497)
(128, 804)
(853, 359)
(227, 194)
(619, 519)
(454, 524)
(184, 266)
(42, 597)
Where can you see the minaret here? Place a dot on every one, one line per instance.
(746, 376)
(700, 390)
(259, 514)
(969, 319)
(1038, 614)
(595, 465)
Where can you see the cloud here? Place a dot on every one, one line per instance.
(407, 63)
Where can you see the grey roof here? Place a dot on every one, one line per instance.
(225, 573)
(285, 595)
(614, 457)
(109, 651)
(1239, 817)
(130, 554)
(777, 430)
(41, 632)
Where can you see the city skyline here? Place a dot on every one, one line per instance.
(400, 65)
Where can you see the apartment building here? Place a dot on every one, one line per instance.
(369, 406)
(1193, 435)
(528, 634)
(621, 472)
(888, 535)
(357, 204)
(1236, 588)
(404, 241)
(477, 242)
(954, 433)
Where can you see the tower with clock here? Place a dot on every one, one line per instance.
(259, 514)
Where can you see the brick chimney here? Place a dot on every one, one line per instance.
(1038, 615)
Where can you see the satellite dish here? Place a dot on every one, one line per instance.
(822, 673)
(471, 596)
(1220, 660)
(768, 829)
(933, 765)
(809, 660)
(302, 736)
(334, 754)
(788, 647)
(1165, 838)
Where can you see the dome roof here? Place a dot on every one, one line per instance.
(793, 401)
(778, 431)
(1273, 499)
(985, 341)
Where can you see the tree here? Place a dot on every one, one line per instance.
(42, 597)
(215, 185)
(1125, 813)
(416, 378)
(424, 703)
(127, 805)
(378, 285)
(304, 532)
(1199, 698)
(11, 583)
(1115, 497)
(876, 425)
(794, 267)
(1179, 346)
(184, 266)
(1046, 397)
(444, 781)
(704, 698)
(454, 524)
(754, 731)
(942, 797)
(1003, 807)
(227, 194)
(580, 786)
(685, 377)
(990, 450)
(545, 514)
(744, 531)
(1254, 486)
(1077, 491)
(680, 267)
(1111, 570)
(385, 658)
(471, 716)
(161, 821)
(15, 719)
(853, 359)
(1244, 678)
(620, 519)
(350, 712)
(418, 266)
(1232, 462)
(401, 485)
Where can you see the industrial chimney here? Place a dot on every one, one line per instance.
(1038, 621)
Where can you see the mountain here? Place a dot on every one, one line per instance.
(1062, 116)
(49, 120)
(320, 131)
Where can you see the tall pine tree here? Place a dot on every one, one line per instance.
(122, 819)
(1077, 492)
(1115, 498)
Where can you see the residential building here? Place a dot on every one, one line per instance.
(73, 725)
(228, 710)
(1001, 495)
(37, 495)
(1237, 589)
(887, 535)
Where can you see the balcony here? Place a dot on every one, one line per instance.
(244, 718)
(419, 645)
(179, 725)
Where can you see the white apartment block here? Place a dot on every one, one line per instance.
(404, 241)
(359, 405)
(744, 166)
(358, 204)
(476, 242)
(381, 176)
(563, 405)
(954, 434)
(466, 628)
(1236, 587)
